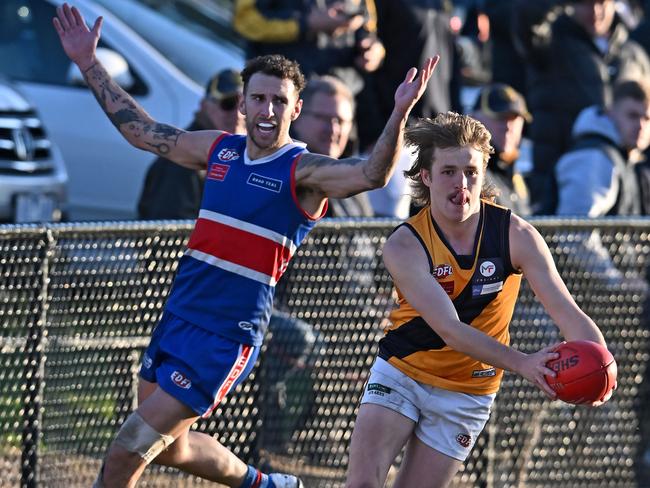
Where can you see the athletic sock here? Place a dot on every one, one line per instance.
(255, 479)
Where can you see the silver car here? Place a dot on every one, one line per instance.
(33, 177)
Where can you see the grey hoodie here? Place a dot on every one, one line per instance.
(588, 180)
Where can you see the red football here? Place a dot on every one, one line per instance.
(586, 372)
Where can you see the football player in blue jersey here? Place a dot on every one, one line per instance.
(263, 193)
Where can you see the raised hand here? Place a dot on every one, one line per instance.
(412, 88)
(78, 42)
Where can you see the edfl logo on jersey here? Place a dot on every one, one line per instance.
(227, 155)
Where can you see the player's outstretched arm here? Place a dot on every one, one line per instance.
(328, 177)
(134, 123)
(407, 263)
(530, 254)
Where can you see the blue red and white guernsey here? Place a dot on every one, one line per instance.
(249, 227)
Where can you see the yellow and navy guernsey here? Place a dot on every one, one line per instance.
(483, 288)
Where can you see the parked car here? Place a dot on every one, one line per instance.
(105, 172)
(33, 178)
(203, 41)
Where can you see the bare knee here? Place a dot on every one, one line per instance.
(120, 465)
(135, 446)
(176, 455)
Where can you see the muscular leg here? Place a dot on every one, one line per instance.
(193, 452)
(379, 435)
(424, 467)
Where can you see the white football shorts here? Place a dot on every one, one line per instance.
(447, 421)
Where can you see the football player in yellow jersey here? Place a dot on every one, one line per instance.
(457, 266)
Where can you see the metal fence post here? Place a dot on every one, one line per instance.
(34, 376)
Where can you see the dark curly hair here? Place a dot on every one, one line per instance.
(274, 65)
(446, 130)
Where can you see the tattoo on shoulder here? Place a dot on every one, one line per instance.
(312, 160)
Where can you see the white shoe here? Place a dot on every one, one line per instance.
(281, 480)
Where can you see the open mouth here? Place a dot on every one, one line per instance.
(266, 127)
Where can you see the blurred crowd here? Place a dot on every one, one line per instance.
(560, 84)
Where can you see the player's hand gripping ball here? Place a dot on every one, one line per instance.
(586, 372)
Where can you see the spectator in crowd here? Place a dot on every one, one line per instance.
(171, 191)
(506, 63)
(394, 200)
(503, 112)
(410, 30)
(324, 125)
(596, 177)
(325, 37)
(643, 177)
(574, 50)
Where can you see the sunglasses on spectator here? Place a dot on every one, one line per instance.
(227, 104)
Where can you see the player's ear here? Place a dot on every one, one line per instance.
(296, 110)
(425, 176)
(242, 104)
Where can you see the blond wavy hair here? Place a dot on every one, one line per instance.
(446, 130)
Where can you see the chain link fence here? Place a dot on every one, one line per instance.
(79, 301)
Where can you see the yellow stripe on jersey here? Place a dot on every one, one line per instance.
(483, 288)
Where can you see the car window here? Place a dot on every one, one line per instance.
(212, 20)
(29, 45)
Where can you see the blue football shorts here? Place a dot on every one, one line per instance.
(194, 365)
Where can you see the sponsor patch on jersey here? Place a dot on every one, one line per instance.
(464, 440)
(265, 182)
(484, 373)
(442, 271)
(378, 389)
(217, 172)
(448, 286)
(478, 290)
(181, 380)
(227, 155)
(146, 361)
(487, 268)
(245, 325)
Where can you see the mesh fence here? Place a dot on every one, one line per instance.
(78, 303)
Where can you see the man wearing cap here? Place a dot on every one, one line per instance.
(503, 112)
(171, 191)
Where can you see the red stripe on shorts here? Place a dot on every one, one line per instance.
(235, 372)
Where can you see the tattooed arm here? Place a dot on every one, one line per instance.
(134, 123)
(318, 176)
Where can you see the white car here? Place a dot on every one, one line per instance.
(33, 178)
(203, 41)
(105, 172)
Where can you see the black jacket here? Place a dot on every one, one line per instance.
(280, 27)
(566, 72)
(171, 191)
